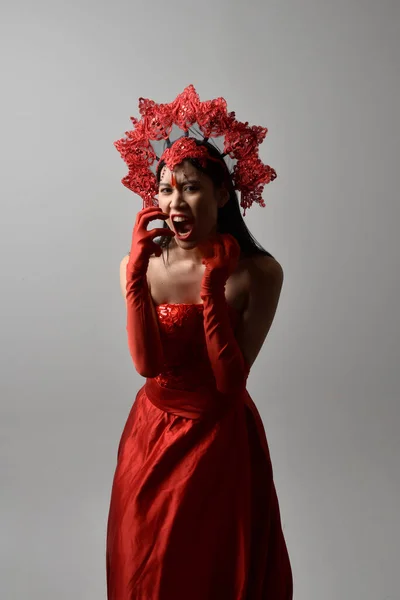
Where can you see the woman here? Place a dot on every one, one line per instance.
(194, 513)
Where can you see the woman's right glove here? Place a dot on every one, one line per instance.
(142, 327)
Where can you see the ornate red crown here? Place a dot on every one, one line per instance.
(241, 143)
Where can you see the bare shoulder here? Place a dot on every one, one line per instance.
(264, 271)
(122, 272)
(266, 263)
(124, 261)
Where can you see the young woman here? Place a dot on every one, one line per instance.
(194, 513)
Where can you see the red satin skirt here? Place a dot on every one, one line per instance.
(194, 513)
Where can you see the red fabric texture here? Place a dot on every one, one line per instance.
(194, 513)
(142, 328)
(230, 369)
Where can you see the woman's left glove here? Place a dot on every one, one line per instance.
(221, 256)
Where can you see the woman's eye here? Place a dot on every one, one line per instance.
(190, 188)
(164, 190)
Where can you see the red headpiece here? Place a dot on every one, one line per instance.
(241, 143)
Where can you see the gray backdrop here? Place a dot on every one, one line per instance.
(324, 78)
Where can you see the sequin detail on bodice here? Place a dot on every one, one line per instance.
(186, 362)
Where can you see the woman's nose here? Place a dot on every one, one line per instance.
(176, 199)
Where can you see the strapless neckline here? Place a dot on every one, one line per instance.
(194, 304)
(180, 304)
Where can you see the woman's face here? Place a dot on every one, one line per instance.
(191, 200)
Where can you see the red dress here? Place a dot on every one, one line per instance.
(194, 513)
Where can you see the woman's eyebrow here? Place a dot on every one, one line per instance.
(186, 180)
(190, 180)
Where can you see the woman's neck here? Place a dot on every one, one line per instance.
(192, 255)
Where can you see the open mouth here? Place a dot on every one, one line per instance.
(183, 226)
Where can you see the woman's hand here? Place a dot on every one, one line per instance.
(143, 244)
(221, 255)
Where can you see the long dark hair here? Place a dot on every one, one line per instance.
(229, 219)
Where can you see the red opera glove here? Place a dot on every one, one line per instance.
(221, 255)
(143, 334)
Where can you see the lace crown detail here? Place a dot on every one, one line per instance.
(241, 144)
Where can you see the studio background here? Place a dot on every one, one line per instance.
(324, 78)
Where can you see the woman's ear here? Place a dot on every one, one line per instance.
(223, 197)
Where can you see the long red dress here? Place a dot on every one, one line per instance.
(194, 513)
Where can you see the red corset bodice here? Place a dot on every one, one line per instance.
(186, 362)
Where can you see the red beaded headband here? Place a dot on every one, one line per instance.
(241, 143)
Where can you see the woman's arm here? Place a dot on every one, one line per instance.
(226, 357)
(142, 327)
(266, 281)
(231, 352)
